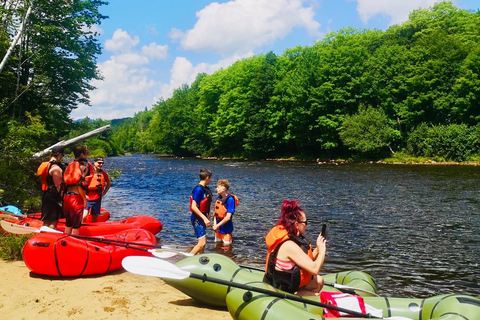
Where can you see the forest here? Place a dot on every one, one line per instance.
(412, 90)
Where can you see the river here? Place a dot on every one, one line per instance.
(414, 228)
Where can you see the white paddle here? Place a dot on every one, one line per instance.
(153, 267)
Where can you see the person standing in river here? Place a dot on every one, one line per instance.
(223, 213)
(200, 202)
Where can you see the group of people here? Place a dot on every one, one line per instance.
(224, 208)
(291, 265)
(72, 191)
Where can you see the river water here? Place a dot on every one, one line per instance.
(414, 228)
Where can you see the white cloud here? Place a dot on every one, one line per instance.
(155, 51)
(240, 26)
(398, 10)
(184, 72)
(129, 83)
(121, 42)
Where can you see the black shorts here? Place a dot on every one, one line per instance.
(51, 206)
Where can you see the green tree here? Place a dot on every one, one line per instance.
(368, 131)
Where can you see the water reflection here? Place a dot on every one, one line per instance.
(416, 229)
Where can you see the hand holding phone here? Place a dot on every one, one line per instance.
(324, 231)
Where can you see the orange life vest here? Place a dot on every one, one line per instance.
(290, 280)
(73, 175)
(220, 208)
(97, 181)
(42, 171)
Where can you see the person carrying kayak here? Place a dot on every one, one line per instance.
(291, 263)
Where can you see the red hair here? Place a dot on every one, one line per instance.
(290, 213)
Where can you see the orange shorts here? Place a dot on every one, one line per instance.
(225, 238)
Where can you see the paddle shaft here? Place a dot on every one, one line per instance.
(350, 290)
(287, 296)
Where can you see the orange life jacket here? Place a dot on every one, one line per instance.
(42, 171)
(97, 181)
(220, 208)
(204, 205)
(289, 280)
(73, 175)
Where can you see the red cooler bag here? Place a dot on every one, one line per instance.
(342, 300)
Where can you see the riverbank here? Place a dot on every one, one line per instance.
(117, 295)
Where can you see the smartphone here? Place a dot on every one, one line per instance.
(324, 231)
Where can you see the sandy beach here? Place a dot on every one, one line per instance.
(117, 295)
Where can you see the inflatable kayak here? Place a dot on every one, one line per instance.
(222, 267)
(91, 229)
(60, 255)
(213, 280)
(102, 217)
(256, 306)
(33, 219)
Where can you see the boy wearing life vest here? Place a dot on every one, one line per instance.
(223, 213)
(200, 202)
(76, 179)
(50, 173)
(97, 188)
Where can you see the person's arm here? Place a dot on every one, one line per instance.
(223, 221)
(56, 173)
(296, 254)
(107, 183)
(230, 204)
(196, 211)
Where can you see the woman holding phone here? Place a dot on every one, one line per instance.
(291, 264)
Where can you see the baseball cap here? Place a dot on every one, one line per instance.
(57, 150)
(98, 159)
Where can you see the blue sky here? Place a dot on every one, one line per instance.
(151, 47)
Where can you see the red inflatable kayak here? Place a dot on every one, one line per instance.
(102, 217)
(102, 228)
(33, 219)
(60, 255)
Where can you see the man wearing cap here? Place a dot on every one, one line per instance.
(97, 188)
(51, 176)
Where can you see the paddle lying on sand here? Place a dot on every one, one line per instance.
(158, 251)
(148, 266)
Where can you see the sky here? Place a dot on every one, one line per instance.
(152, 47)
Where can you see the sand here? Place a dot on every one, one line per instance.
(117, 295)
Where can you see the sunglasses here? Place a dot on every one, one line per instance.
(305, 222)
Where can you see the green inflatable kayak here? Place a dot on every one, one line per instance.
(218, 281)
(250, 305)
(222, 267)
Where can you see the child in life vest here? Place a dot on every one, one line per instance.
(200, 201)
(223, 213)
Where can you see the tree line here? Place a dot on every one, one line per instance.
(412, 89)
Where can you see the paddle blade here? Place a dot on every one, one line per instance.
(18, 228)
(149, 266)
(162, 254)
(48, 229)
